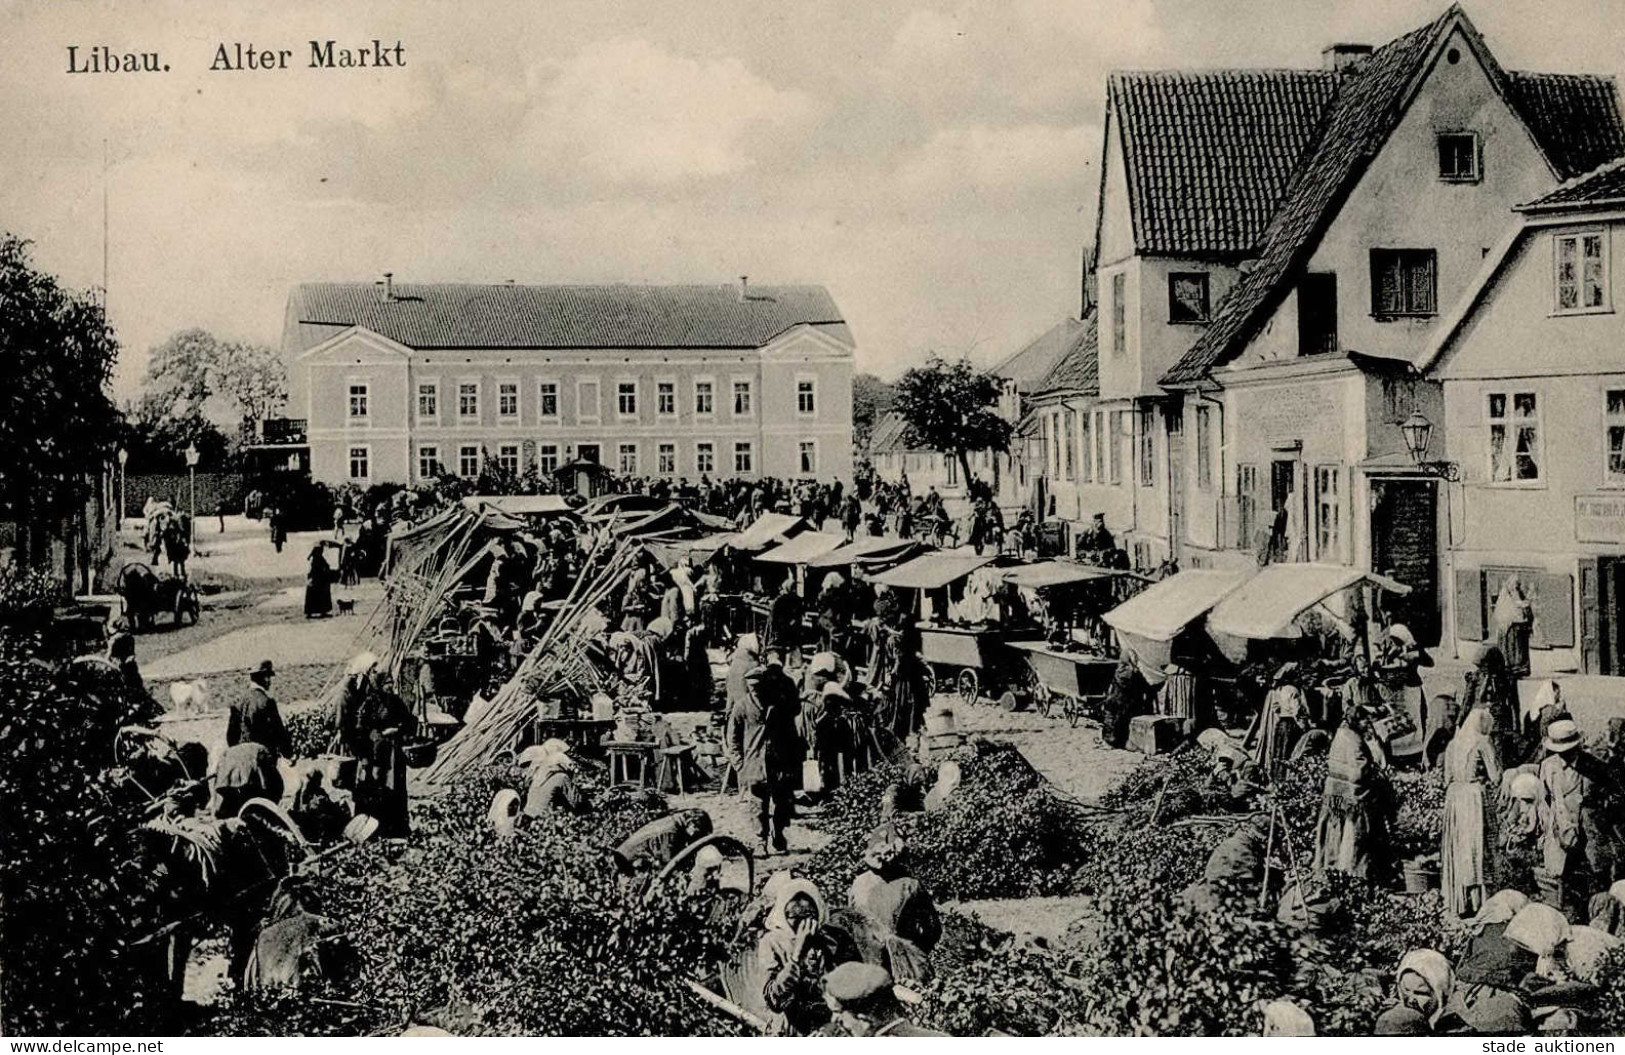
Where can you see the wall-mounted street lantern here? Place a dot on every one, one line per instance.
(1418, 431)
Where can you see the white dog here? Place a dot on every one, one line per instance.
(189, 696)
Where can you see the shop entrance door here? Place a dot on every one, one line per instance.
(1405, 546)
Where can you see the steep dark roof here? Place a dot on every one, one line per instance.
(1603, 185)
(888, 434)
(618, 316)
(1371, 99)
(1032, 363)
(1077, 370)
(1209, 155)
(1574, 117)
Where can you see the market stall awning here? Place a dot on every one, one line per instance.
(869, 552)
(933, 570)
(520, 505)
(625, 506)
(768, 529)
(1046, 573)
(698, 551)
(802, 548)
(1267, 604)
(1163, 609)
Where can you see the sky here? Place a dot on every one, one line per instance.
(935, 165)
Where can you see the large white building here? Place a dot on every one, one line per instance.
(396, 382)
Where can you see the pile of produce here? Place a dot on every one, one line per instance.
(479, 935)
(1004, 833)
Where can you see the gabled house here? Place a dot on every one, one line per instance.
(1533, 378)
(1058, 423)
(1282, 411)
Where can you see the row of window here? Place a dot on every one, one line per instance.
(471, 456)
(627, 397)
(1101, 436)
(1404, 283)
(1257, 510)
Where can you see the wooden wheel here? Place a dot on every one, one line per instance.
(968, 685)
(930, 681)
(1074, 711)
(1041, 698)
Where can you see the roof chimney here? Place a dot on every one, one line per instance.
(1342, 56)
(744, 288)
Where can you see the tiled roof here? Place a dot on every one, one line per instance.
(888, 434)
(1603, 184)
(1029, 364)
(1077, 371)
(617, 316)
(1371, 99)
(1209, 155)
(1574, 117)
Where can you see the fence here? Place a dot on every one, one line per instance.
(213, 490)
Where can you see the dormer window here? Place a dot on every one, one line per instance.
(1187, 296)
(1459, 157)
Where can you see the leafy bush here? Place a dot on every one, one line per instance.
(74, 880)
(27, 593)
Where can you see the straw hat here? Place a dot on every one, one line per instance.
(1562, 735)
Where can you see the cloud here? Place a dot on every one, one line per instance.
(628, 111)
(993, 163)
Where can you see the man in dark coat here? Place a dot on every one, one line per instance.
(771, 754)
(254, 718)
(784, 617)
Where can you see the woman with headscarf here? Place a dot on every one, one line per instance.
(904, 693)
(1283, 1018)
(1488, 686)
(1514, 618)
(1467, 835)
(796, 951)
(638, 664)
(373, 727)
(552, 786)
(1540, 930)
(897, 910)
(1424, 984)
(1607, 910)
(1491, 971)
(1544, 707)
(1351, 833)
(318, 585)
(1279, 723)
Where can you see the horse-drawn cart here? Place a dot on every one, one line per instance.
(971, 659)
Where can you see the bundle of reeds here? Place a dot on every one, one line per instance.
(559, 664)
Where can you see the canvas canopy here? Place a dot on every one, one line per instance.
(520, 505)
(1267, 604)
(626, 506)
(934, 570)
(1163, 609)
(802, 548)
(1047, 573)
(768, 529)
(870, 552)
(411, 547)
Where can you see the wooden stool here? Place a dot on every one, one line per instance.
(677, 754)
(621, 756)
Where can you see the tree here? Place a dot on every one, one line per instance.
(953, 408)
(57, 423)
(871, 399)
(253, 377)
(227, 381)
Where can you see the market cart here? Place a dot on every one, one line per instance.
(971, 659)
(1077, 679)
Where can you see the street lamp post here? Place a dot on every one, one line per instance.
(123, 457)
(191, 481)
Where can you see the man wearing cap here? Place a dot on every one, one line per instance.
(771, 751)
(255, 719)
(1567, 790)
(864, 1003)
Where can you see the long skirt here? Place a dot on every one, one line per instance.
(318, 597)
(1343, 837)
(1462, 853)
